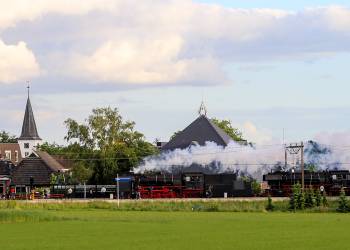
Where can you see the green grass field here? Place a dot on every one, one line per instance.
(109, 229)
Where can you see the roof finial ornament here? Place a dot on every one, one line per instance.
(202, 109)
(28, 88)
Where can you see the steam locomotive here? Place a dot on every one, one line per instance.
(162, 185)
(281, 182)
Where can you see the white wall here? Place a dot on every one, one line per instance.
(32, 146)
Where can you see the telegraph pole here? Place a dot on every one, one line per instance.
(295, 149)
(302, 167)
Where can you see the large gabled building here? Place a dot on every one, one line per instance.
(199, 132)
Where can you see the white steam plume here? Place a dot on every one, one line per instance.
(230, 158)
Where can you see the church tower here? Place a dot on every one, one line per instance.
(29, 139)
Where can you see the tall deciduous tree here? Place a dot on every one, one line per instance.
(115, 143)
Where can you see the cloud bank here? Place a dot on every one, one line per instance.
(162, 42)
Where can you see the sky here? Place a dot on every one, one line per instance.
(277, 69)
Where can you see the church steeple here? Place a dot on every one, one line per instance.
(29, 130)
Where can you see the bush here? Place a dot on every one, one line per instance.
(324, 199)
(309, 198)
(256, 188)
(343, 206)
(270, 206)
(318, 197)
(297, 199)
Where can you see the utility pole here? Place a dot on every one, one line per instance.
(302, 167)
(294, 149)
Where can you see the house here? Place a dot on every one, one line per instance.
(35, 170)
(11, 152)
(5, 176)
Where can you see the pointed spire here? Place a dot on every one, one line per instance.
(29, 130)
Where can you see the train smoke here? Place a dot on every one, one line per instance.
(216, 158)
(330, 153)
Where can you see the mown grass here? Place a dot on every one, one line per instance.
(109, 229)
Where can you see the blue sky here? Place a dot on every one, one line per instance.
(268, 66)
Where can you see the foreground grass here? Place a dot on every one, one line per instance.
(108, 229)
(157, 205)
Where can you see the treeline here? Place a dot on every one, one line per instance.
(100, 147)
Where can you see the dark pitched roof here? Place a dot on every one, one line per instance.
(199, 131)
(5, 167)
(51, 162)
(40, 168)
(29, 130)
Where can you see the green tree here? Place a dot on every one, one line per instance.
(343, 206)
(226, 126)
(110, 144)
(256, 188)
(6, 137)
(318, 197)
(309, 198)
(297, 199)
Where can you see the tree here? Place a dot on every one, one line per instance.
(297, 199)
(256, 187)
(343, 206)
(6, 137)
(107, 144)
(226, 126)
(318, 197)
(309, 198)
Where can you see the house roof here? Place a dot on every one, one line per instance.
(13, 147)
(199, 132)
(29, 130)
(5, 167)
(39, 168)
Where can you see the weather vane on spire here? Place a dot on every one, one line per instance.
(202, 109)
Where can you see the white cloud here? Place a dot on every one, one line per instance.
(253, 134)
(17, 63)
(171, 41)
(14, 11)
(338, 18)
(154, 61)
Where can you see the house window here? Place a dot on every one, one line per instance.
(8, 155)
(26, 154)
(26, 145)
(16, 156)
